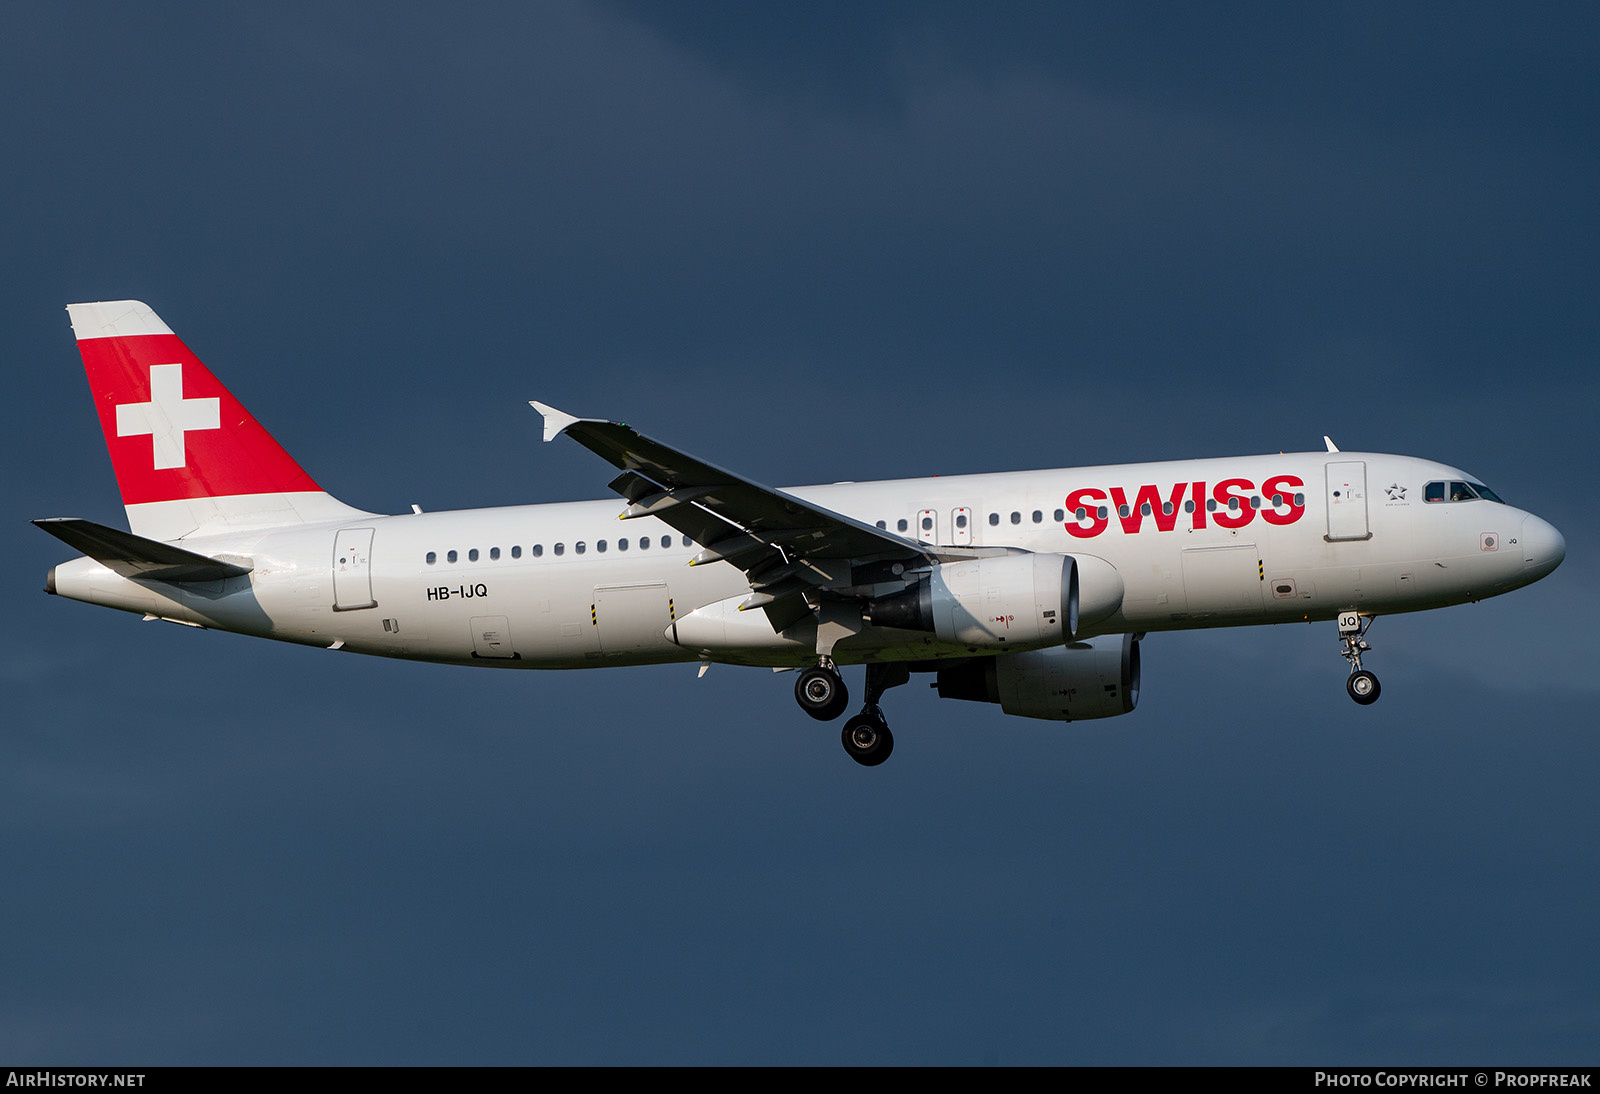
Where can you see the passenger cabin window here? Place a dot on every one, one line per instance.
(994, 518)
(432, 557)
(494, 552)
(516, 552)
(901, 524)
(450, 556)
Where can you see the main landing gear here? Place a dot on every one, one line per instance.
(822, 694)
(1362, 685)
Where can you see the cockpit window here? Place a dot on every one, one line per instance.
(1457, 490)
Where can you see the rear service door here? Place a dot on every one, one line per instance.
(352, 570)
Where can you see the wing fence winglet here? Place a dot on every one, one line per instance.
(555, 421)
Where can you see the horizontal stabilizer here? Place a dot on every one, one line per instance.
(135, 556)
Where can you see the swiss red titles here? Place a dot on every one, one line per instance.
(1231, 503)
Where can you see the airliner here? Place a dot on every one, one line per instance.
(1029, 589)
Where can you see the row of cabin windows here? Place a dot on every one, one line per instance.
(537, 550)
(1081, 513)
(903, 525)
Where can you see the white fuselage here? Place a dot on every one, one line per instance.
(569, 585)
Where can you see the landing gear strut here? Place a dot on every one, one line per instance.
(866, 737)
(1362, 685)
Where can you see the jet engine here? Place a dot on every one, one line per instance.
(1020, 601)
(1006, 602)
(1098, 678)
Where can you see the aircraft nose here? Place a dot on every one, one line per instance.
(1543, 547)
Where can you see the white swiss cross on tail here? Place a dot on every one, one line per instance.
(168, 416)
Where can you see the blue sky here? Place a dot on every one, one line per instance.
(819, 245)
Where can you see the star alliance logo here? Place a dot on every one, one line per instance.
(1395, 491)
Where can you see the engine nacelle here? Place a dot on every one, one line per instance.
(1098, 678)
(1007, 602)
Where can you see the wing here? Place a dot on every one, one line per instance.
(793, 552)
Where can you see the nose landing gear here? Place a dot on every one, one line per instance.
(1362, 685)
